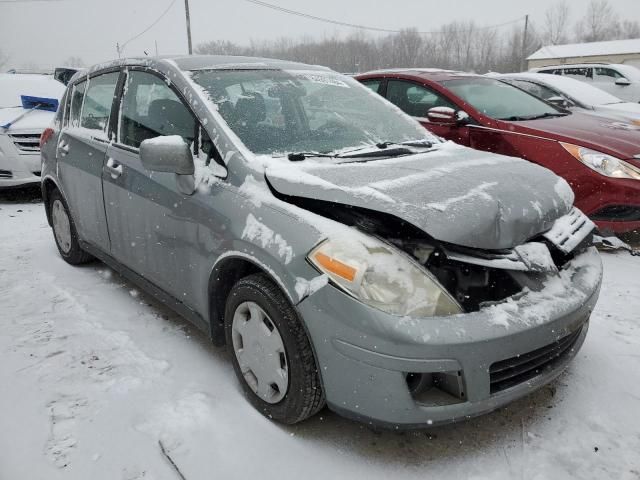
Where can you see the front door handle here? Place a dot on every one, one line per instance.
(114, 168)
(63, 148)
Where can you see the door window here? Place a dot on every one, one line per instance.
(606, 75)
(77, 95)
(579, 73)
(150, 108)
(415, 99)
(98, 99)
(373, 85)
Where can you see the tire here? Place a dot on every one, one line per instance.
(64, 231)
(304, 396)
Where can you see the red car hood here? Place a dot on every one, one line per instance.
(604, 134)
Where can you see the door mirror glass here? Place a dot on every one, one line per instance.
(442, 115)
(623, 82)
(169, 154)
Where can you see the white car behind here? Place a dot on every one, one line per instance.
(569, 93)
(623, 81)
(20, 128)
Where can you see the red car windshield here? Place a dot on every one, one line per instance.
(499, 100)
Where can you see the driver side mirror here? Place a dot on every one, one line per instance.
(447, 116)
(623, 82)
(169, 154)
(559, 101)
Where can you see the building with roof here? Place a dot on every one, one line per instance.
(617, 51)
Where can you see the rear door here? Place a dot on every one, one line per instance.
(80, 152)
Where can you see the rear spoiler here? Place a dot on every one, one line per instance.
(30, 104)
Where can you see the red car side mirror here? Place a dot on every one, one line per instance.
(442, 115)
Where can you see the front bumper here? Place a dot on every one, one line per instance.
(364, 355)
(17, 168)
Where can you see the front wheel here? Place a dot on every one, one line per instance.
(64, 231)
(270, 350)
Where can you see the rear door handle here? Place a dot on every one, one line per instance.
(114, 168)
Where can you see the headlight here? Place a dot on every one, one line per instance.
(602, 163)
(383, 277)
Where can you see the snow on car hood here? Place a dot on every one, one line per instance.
(36, 120)
(455, 194)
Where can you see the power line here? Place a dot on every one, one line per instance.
(121, 47)
(365, 27)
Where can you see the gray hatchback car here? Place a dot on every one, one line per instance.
(342, 253)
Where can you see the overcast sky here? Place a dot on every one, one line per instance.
(46, 33)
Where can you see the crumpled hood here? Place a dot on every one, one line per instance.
(455, 194)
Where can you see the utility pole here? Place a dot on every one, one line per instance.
(186, 11)
(524, 43)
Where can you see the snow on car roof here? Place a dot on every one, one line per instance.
(580, 91)
(615, 47)
(13, 85)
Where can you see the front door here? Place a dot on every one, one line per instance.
(416, 100)
(148, 216)
(81, 150)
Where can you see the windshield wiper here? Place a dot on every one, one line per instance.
(516, 118)
(382, 149)
(380, 152)
(299, 156)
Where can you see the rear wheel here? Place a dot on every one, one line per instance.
(270, 350)
(64, 231)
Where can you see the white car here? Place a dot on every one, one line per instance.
(569, 93)
(623, 81)
(27, 107)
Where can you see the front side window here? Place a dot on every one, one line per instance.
(607, 75)
(77, 96)
(98, 99)
(150, 108)
(373, 85)
(413, 99)
(276, 112)
(500, 100)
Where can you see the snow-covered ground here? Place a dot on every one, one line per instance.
(93, 374)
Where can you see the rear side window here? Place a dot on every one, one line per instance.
(150, 108)
(98, 99)
(77, 95)
(579, 73)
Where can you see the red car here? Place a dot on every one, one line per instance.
(599, 157)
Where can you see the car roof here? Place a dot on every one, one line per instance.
(578, 65)
(436, 74)
(204, 62)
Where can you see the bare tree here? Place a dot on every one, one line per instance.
(630, 29)
(599, 23)
(556, 24)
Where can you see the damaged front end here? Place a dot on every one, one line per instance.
(437, 278)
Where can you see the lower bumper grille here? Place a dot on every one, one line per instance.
(6, 174)
(513, 371)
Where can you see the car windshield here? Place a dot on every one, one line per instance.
(277, 112)
(12, 86)
(499, 100)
